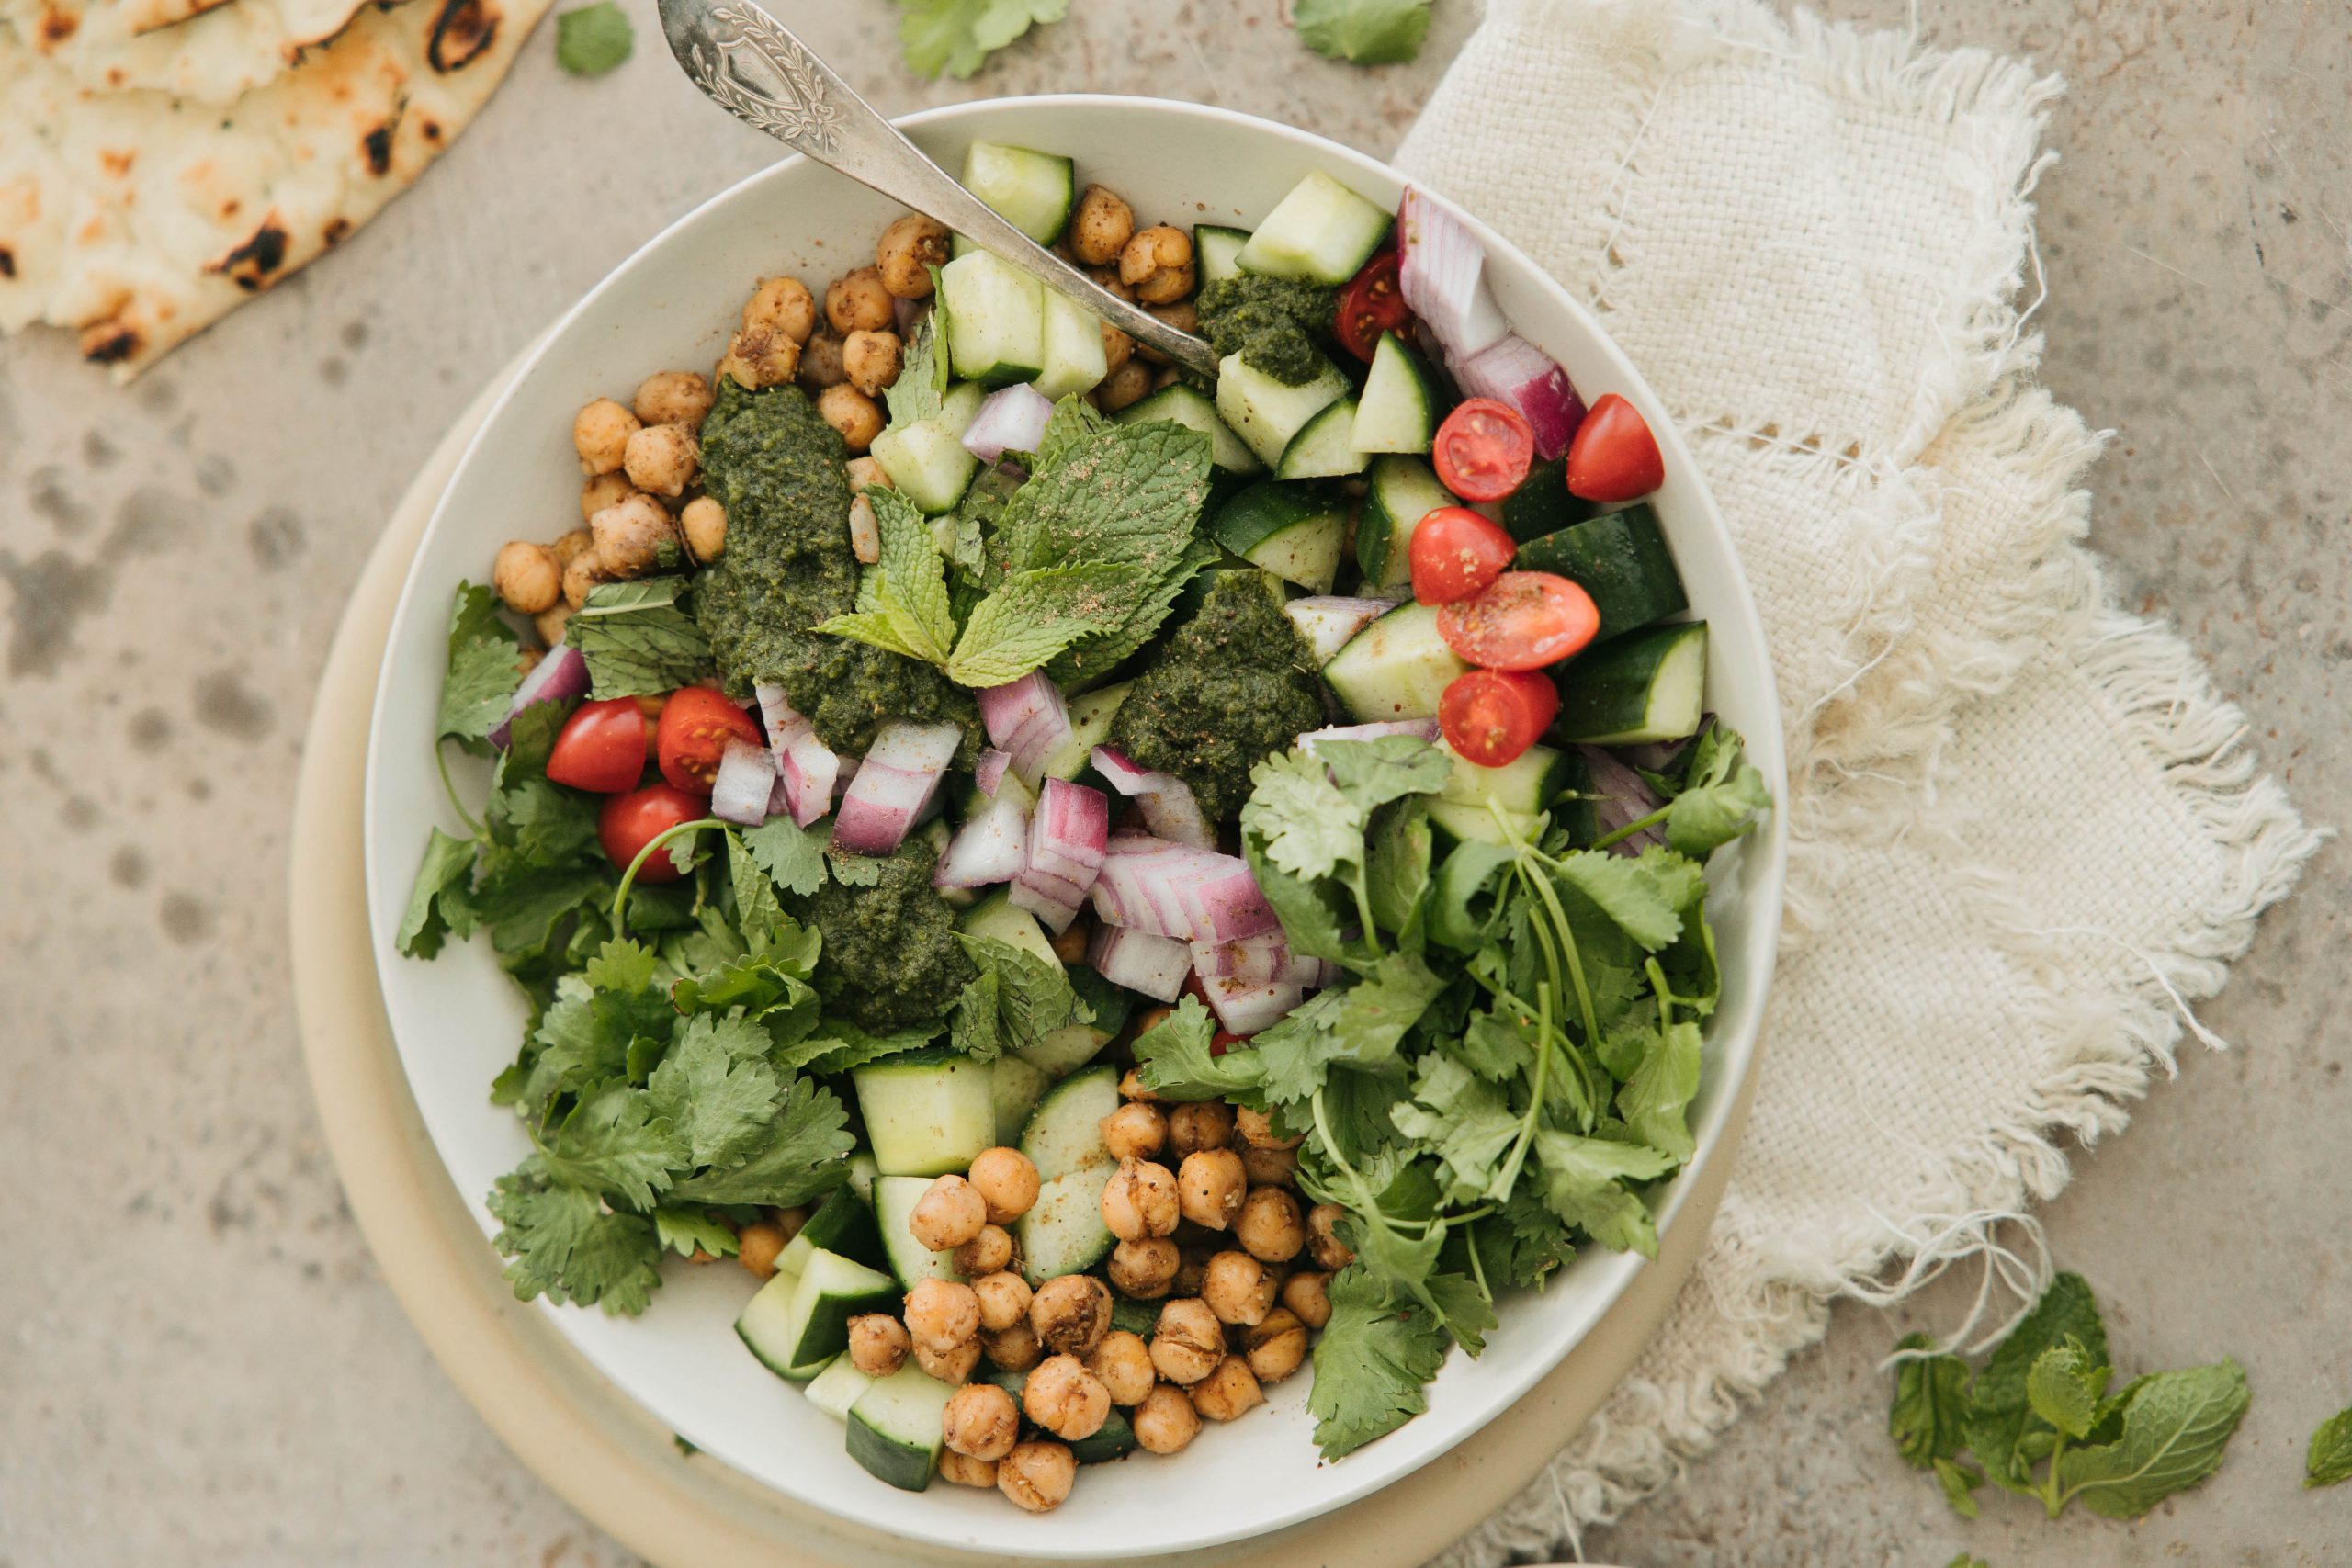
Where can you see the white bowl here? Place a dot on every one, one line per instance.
(458, 1020)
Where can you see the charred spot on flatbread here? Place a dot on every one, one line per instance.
(333, 235)
(253, 266)
(7, 262)
(378, 145)
(109, 342)
(56, 26)
(462, 30)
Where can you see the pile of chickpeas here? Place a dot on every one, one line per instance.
(642, 458)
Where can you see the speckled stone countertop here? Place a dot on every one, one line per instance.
(197, 1361)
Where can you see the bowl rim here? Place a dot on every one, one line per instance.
(1732, 1036)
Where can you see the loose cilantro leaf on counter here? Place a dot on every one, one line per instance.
(1363, 32)
(2329, 1459)
(957, 36)
(592, 39)
(636, 640)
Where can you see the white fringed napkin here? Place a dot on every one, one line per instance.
(2025, 834)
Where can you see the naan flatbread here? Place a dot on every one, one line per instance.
(212, 50)
(140, 218)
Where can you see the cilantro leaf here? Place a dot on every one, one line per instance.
(1644, 897)
(1723, 796)
(837, 1045)
(2176, 1425)
(1584, 1182)
(2329, 1459)
(956, 35)
(1363, 32)
(716, 1089)
(1304, 822)
(592, 39)
(567, 1246)
(1172, 1058)
(802, 1158)
(1656, 1100)
(539, 825)
(636, 640)
(686, 1230)
(2000, 1418)
(1397, 855)
(483, 673)
(922, 374)
(1374, 773)
(789, 854)
(440, 905)
(1361, 1023)
(612, 1144)
(1370, 1363)
(1930, 1404)
(1462, 1120)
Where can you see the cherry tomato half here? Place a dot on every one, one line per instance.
(1372, 303)
(601, 747)
(1524, 620)
(696, 725)
(1455, 553)
(1614, 457)
(630, 822)
(1492, 715)
(1483, 450)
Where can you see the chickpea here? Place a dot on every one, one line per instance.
(942, 1313)
(1270, 1168)
(703, 523)
(962, 1470)
(1182, 315)
(1188, 1342)
(1122, 1363)
(783, 306)
(600, 433)
(1238, 1289)
(1166, 1420)
(1015, 1349)
(1005, 1301)
(1256, 1129)
(1131, 1085)
(1117, 349)
(1227, 1392)
(877, 1344)
(949, 1365)
(1135, 1131)
(662, 459)
(1139, 1201)
(673, 397)
(1006, 1181)
(949, 1213)
(1270, 1226)
(1323, 1243)
(1145, 1270)
(1157, 263)
(568, 546)
(870, 360)
(852, 413)
(1038, 1475)
(859, 303)
(906, 252)
(1192, 1269)
(1107, 279)
(788, 1220)
(586, 570)
(1166, 376)
(629, 535)
(1124, 386)
(1066, 1399)
(1070, 945)
(1210, 1185)
(761, 357)
(865, 473)
(548, 623)
(820, 362)
(981, 1421)
(1276, 1347)
(1306, 1295)
(597, 493)
(756, 1247)
(988, 1253)
(1070, 1313)
(1204, 1124)
(527, 576)
(1101, 227)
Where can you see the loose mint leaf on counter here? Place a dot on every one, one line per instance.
(1930, 1404)
(2329, 1459)
(592, 39)
(2000, 1418)
(1959, 1483)
(1363, 32)
(1370, 1364)
(2176, 1425)
(2064, 1386)
(567, 1246)
(636, 640)
(957, 36)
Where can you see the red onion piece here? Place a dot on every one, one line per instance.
(1256, 960)
(991, 772)
(1176, 890)
(1067, 833)
(559, 677)
(807, 771)
(895, 786)
(1166, 801)
(1011, 419)
(1624, 797)
(989, 849)
(1156, 965)
(1516, 372)
(1419, 728)
(1442, 272)
(746, 781)
(1328, 620)
(1028, 719)
(1047, 896)
(1245, 1007)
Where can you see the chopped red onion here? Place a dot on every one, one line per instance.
(1419, 728)
(1046, 897)
(1067, 833)
(864, 533)
(1156, 965)
(1247, 1007)
(560, 677)
(1516, 372)
(1028, 719)
(1622, 795)
(991, 772)
(1011, 419)
(895, 786)
(745, 782)
(1255, 959)
(1176, 890)
(1166, 801)
(1442, 272)
(989, 849)
(1328, 620)
(807, 771)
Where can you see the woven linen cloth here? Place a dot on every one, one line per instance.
(2025, 837)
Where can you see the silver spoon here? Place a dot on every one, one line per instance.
(751, 65)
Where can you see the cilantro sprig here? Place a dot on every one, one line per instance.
(957, 36)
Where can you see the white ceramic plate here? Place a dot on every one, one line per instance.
(458, 1020)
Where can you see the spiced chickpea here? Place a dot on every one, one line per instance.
(673, 397)
(1122, 1363)
(1143, 1270)
(1238, 1289)
(1157, 263)
(1306, 1295)
(942, 1313)
(1323, 1243)
(877, 1344)
(1270, 1226)
(1005, 1301)
(1007, 1182)
(1101, 227)
(527, 576)
(852, 413)
(1038, 1475)
(1270, 1168)
(1107, 279)
(549, 623)
(1139, 1201)
(949, 1213)
(1182, 315)
(600, 433)
(870, 360)
(949, 1365)
(760, 356)
(962, 1470)
(1066, 1399)
(906, 252)
(704, 523)
(1015, 1349)
(857, 302)
(1165, 1421)
(757, 1246)
(1131, 1084)
(1227, 1392)
(596, 494)
(1135, 1131)
(783, 306)
(1070, 942)
(820, 362)
(1070, 1313)
(662, 459)
(867, 473)
(586, 570)
(989, 1252)
(1203, 1124)
(1275, 1346)
(1210, 1186)
(788, 1220)
(1117, 349)
(981, 1421)
(1124, 386)
(1188, 1341)
(1191, 1267)
(1256, 1129)
(567, 547)
(629, 535)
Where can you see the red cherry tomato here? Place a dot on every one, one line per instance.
(1524, 620)
(1483, 450)
(601, 747)
(630, 822)
(1371, 304)
(1455, 553)
(1492, 715)
(696, 725)
(1614, 457)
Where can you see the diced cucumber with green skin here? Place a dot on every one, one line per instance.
(1573, 808)
(1033, 191)
(927, 1113)
(1395, 667)
(837, 1388)
(1263, 411)
(1543, 504)
(1294, 531)
(1397, 412)
(862, 1172)
(1075, 360)
(843, 1223)
(1526, 785)
(1113, 1440)
(767, 1328)
(1063, 1232)
(1399, 491)
(1322, 231)
(895, 1198)
(1327, 624)
(997, 917)
(1467, 824)
(1065, 1133)
(959, 404)
(1139, 1318)
(833, 1290)
(1217, 252)
(927, 464)
(1091, 714)
(1324, 447)
(1063, 1051)
(895, 1429)
(996, 320)
(1620, 558)
(1018, 1086)
(1190, 407)
(1649, 685)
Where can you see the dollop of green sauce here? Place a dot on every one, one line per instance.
(1234, 683)
(777, 468)
(1272, 323)
(891, 957)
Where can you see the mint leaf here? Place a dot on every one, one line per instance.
(1034, 997)
(1930, 1404)
(975, 1028)
(636, 640)
(1035, 616)
(2063, 1387)
(1959, 1483)
(957, 36)
(592, 39)
(902, 599)
(566, 1246)
(2176, 1425)
(1722, 798)
(872, 627)
(922, 374)
(2329, 1459)
(1371, 1363)
(1363, 32)
(788, 853)
(2000, 1417)
(802, 1157)
(836, 1046)
(440, 904)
